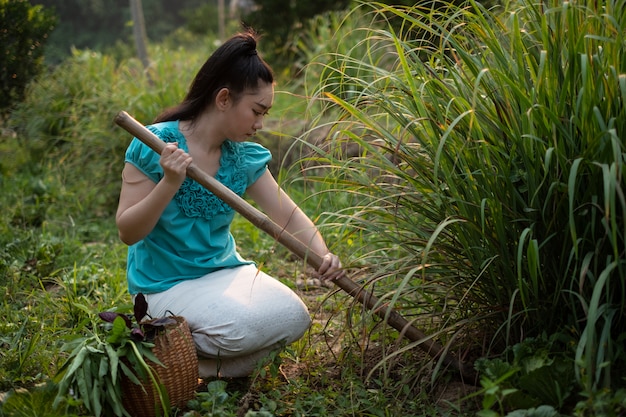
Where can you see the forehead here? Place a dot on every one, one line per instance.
(263, 96)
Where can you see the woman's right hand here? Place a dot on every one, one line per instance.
(142, 201)
(331, 268)
(174, 162)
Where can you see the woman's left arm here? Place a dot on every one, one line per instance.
(279, 207)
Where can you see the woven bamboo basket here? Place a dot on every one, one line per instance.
(176, 350)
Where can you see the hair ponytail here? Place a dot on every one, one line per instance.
(235, 65)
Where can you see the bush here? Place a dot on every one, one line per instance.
(490, 172)
(66, 121)
(25, 29)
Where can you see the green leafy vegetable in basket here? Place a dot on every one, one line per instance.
(97, 362)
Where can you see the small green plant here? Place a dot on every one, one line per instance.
(537, 374)
(215, 400)
(22, 352)
(96, 363)
(602, 403)
(34, 403)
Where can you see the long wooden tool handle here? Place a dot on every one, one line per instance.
(264, 223)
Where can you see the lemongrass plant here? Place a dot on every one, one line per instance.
(487, 188)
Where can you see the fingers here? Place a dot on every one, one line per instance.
(174, 162)
(331, 268)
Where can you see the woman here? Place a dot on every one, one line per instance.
(181, 254)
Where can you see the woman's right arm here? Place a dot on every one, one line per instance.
(142, 201)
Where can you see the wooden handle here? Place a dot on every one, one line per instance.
(264, 223)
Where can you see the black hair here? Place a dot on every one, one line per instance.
(235, 65)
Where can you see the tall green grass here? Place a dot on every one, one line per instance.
(487, 187)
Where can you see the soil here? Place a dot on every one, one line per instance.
(448, 394)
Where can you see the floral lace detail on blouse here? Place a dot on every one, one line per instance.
(194, 199)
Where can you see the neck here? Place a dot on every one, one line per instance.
(202, 134)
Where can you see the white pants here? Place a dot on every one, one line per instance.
(237, 316)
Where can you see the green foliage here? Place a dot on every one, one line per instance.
(277, 20)
(488, 169)
(284, 23)
(96, 364)
(18, 359)
(215, 401)
(85, 24)
(33, 403)
(103, 25)
(603, 403)
(537, 373)
(23, 35)
(50, 271)
(66, 120)
(472, 172)
(201, 20)
(38, 311)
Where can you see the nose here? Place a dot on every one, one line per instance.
(258, 123)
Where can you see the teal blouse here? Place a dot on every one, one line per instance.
(192, 238)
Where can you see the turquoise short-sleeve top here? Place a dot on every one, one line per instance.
(192, 238)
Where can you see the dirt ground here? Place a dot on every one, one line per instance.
(450, 392)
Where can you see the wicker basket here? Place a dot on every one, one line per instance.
(177, 352)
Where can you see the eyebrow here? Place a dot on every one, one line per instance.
(263, 106)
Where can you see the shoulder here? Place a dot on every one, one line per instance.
(250, 151)
(143, 157)
(167, 131)
(246, 162)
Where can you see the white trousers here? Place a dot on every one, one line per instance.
(237, 316)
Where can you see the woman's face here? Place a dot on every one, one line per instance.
(245, 117)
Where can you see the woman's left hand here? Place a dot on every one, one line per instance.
(331, 268)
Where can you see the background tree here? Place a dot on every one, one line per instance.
(83, 24)
(100, 24)
(23, 31)
(139, 31)
(277, 19)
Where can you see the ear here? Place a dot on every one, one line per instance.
(222, 99)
